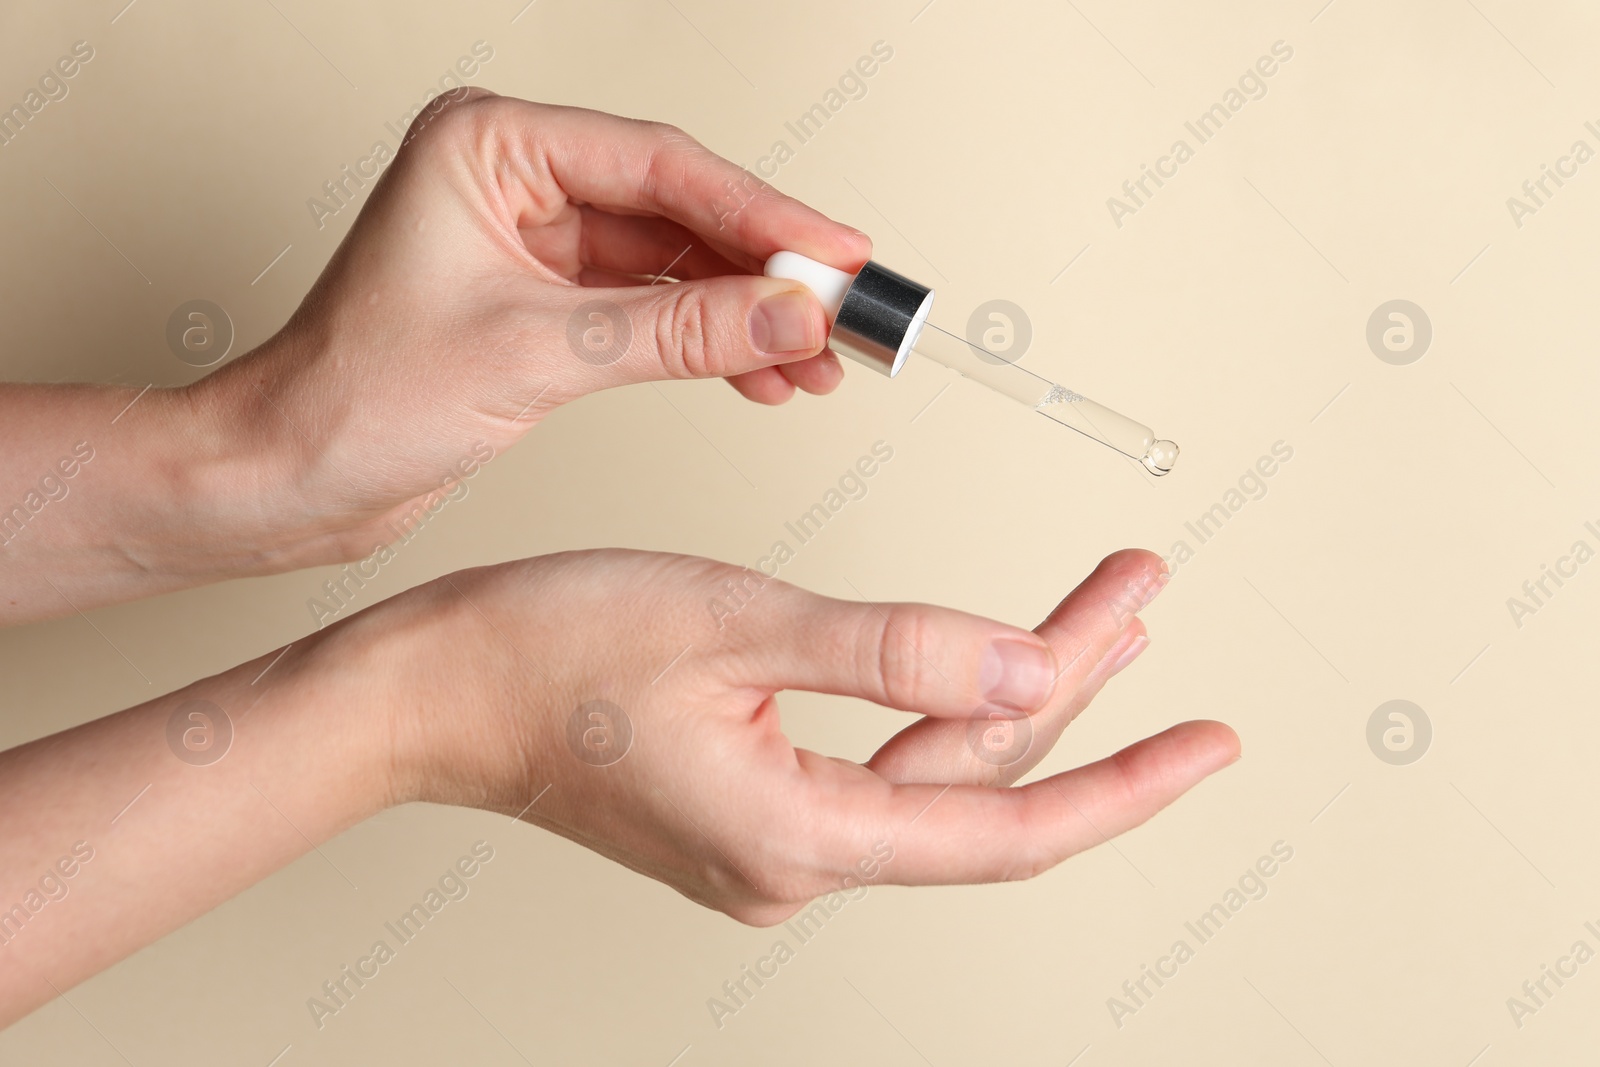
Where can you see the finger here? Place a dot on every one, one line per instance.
(704, 328)
(764, 386)
(620, 163)
(648, 245)
(1085, 631)
(740, 262)
(613, 244)
(916, 657)
(1089, 618)
(1000, 748)
(959, 834)
(819, 375)
(1129, 647)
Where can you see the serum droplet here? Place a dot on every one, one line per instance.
(1160, 457)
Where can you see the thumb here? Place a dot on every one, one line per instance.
(702, 328)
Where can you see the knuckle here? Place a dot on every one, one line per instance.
(667, 132)
(1129, 785)
(681, 335)
(893, 660)
(445, 116)
(1033, 853)
(655, 161)
(667, 160)
(671, 139)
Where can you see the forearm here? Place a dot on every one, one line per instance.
(108, 494)
(109, 838)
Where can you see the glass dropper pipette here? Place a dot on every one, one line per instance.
(878, 317)
(1072, 410)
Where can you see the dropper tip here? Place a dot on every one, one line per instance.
(1160, 457)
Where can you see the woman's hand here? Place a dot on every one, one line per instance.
(599, 695)
(503, 265)
(505, 262)
(596, 694)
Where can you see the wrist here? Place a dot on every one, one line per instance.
(244, 472)
(311, 732)
(432, 687)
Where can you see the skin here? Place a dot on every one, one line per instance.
(440, 324)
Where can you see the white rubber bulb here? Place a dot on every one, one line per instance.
(828, 283)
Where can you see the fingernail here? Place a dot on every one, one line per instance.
(785, 323)
(1017, 673)
(1131, 653)
(1118, 647)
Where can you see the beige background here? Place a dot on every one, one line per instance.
(1230, 313)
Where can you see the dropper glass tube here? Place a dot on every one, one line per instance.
(878, 317)
(1057, 402)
